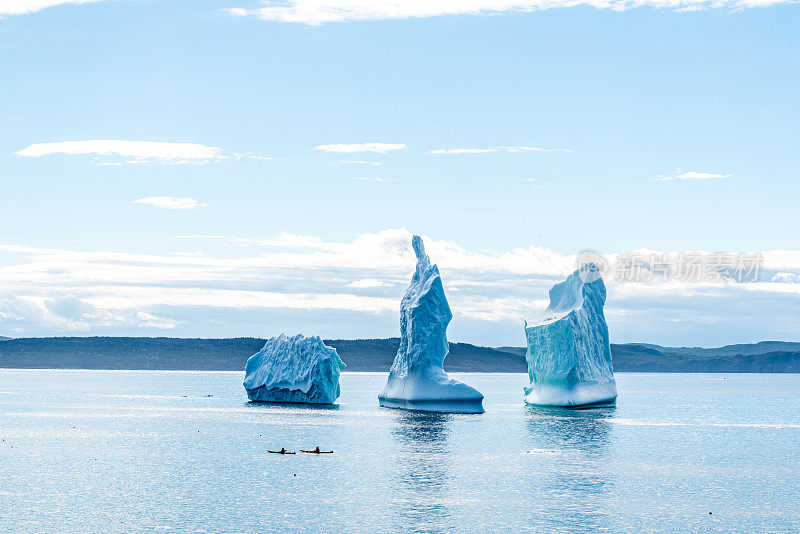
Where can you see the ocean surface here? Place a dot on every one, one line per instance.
(149, 451)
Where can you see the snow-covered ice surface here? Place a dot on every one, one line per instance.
(417, 380)
(294, 369)
(569, 356)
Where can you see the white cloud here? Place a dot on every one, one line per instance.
(67, 313)
(305, 278)
(534, 184)
(360, 162)
(284, 239)
(692, 175)
(63, 290)
(22, 7)
(171, 203)
(374, 179)
(487, 150)
(380, 148)
(368, 283)
(107, 163)
(322, 11)
(250, 155)
(166, 152)
(148, 320)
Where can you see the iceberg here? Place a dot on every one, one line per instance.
(417, 380)
(294, 369)
(569, 356)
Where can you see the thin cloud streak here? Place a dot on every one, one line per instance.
(140, 150)
(374, 179)
(116, 152)
(171, 203)
(487, 150)
(315, 12)
(24, 7)
(693, 175)
(380, 148)
(360, 162)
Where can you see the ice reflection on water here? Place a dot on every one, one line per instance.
(586, 431)
(422, 470)
(581, 439)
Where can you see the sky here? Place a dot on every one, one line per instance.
(246, 168)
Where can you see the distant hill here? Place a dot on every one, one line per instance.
(128, 353)
(372, 355)
(749, 349)
(4, 338)
(378, 355)
(763, 357)
(220, 354)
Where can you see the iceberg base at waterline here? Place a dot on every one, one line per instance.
(290, 396)
(434, 392)
(579, 396)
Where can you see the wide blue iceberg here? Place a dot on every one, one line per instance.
(417, 380)
(569, 356)
(294, 369)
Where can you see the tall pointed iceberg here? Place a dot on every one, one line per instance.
(569, 356)
(417, 380)
(294, 369)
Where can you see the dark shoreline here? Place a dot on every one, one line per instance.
(230, 354)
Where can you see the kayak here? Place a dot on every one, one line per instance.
(284, 452)
(317, 452)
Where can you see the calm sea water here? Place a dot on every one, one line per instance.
(140, 451)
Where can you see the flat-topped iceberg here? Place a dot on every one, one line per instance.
(294, 369)
(417, 380)
(569, 356)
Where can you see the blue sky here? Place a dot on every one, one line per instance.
(198, 168)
